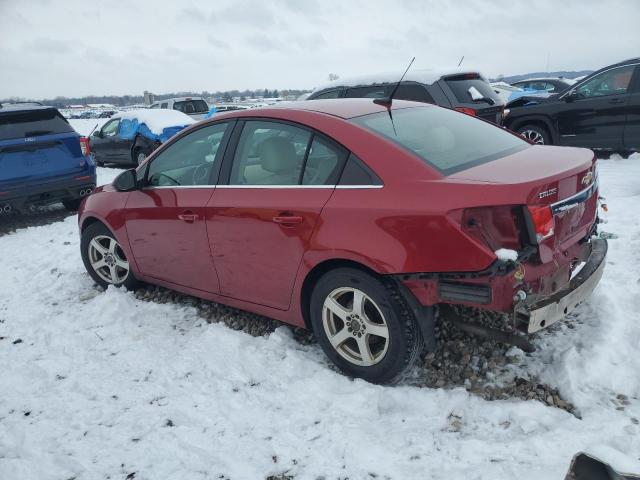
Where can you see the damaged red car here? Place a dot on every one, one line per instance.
(355, 219)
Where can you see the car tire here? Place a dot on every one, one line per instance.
(535, 134)
(104, 258)
(346, 334)
(72, 205)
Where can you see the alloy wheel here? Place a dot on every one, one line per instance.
(141, 157)
(108, 259)
(533, 136)
(355, 326)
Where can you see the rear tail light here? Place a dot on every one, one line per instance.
(543, 222)
(84, 146)
(467, 110)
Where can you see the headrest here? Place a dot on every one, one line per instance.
(277, 155)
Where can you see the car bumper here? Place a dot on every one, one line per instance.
(67, 188)
(543, 313)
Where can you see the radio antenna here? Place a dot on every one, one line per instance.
(386, 101)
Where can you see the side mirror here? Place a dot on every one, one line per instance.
(571, 96)
(126, 181)
(96, 133)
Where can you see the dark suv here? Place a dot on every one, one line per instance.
(601, 112)
(43, 160)
(465, 91)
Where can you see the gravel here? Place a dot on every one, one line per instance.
(483, 367)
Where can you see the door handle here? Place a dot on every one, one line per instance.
(287, 220)
(617, 100)
(188, 217)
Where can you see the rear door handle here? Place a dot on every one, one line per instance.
(188, 217)
(287, 220)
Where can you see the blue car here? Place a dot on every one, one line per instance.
(43, 160)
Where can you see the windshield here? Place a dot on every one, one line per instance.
(446, 140)
(32, 123)
(191, 106)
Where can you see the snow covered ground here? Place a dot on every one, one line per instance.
(98, 385)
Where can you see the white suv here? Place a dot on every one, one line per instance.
(196, 107)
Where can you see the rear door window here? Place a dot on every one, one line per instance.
(374, 91)
(323, 163)
(329, 94)
(414, 92)
(32, 123)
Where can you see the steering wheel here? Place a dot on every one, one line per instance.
(201, 174)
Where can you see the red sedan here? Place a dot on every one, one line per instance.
(357, 221)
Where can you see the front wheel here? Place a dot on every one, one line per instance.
(104, 258)
(364, 326)
(535, 134)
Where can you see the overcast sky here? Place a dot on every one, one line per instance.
(72, 48)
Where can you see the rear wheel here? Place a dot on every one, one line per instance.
(364, 326)
(104, 258)
(535, 134)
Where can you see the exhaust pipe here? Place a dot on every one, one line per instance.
(6, 208)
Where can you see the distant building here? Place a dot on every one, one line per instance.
(149, 98)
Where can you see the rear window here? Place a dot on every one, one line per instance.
(32, 123)
(460, 85)
(444, 139)
(191, 106)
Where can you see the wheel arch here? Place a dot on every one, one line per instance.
(90, 220)
(538, 120)
(316, 273)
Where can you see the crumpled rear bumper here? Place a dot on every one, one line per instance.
(542, 313)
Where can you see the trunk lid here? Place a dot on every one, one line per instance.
(562, 178)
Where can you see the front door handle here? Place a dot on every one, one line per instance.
(617, 100)
(188, 216)
(288, 220)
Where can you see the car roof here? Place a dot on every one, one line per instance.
(17, 107)
(545, 79)
(343, 108)
(426, 76)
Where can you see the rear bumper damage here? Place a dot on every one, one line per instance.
(534, 316)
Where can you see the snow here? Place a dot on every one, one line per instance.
(84, 126)
(426, 76)
(157, 119)
(505, 254)
(103, 385)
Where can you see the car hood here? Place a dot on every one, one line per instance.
(532, 99)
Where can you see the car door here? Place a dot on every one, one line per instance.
(165, 218)
(102, 141)
(595, 111)
(278, 179)
(631, 138)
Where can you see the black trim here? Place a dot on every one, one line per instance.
(460, 292)
(49, 192)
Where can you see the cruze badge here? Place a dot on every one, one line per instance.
(548, 193)
(586, 180)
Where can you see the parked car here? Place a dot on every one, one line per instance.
(107, 114)
(196, 107)
(43, 160)
(549, 85)
(130, 137)
(602, 111)
(463, 90)
(227, 107)
(356, 221)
